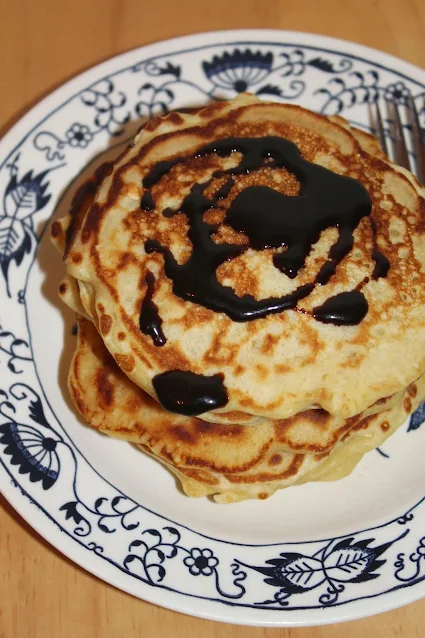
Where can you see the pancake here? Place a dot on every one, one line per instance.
(368, 142)
(312, 431)
(190, 298)
(230, 462)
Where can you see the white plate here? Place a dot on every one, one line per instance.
(345, 549)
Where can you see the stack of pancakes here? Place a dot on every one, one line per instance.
(249, 285)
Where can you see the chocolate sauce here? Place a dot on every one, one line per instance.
(169, 212)
(337, 254)
(268, 219)
(189, 393)
(382, 265)
(150, 322)
(147, 202)
(224, 190)
(160, 170)
(345, 309)
(326, 272)
(221, 298)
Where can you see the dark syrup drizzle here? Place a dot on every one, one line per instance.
(334, 310)
(268, 219)
(189, 393)
(150, 322)
(382, 265)
(147, 202)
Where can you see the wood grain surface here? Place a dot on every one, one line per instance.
(42, 44)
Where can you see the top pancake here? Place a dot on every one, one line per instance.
(284, 362)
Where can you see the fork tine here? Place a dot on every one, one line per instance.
(379, 128)
(418, 141)
(401, 156)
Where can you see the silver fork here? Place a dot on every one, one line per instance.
(399, 152)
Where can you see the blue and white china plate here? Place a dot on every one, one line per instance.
(319, 553)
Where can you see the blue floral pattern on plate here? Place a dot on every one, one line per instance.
(36, 453)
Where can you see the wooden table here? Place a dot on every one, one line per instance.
(42, 44)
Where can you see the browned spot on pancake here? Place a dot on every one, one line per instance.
(105, 324)
(353, 361)
(91, 224)
(183, 434)
(261, 371)
(117, 187)
(199, 475)
(219, 352)
(262, 496)
(190, 109)
(269, 343)
(63, 288)
(420, 227)
(104, 387)
(318, 417)
(237, 370)
(81, 202)
(385, 426)
(320, 457)
(212, 109)
(81, 406)
(247, 402)
(239, 417)
(125, 259)
(361, 425)
(193, 315)
(311, 339)
(76, 258)
(412, 390)
(407, 403)
(136, 403)
(56, 230)
(175, 118)
(101, 307)
(422, 209)
(205, 427)
(218, 430)
(275, 459)
(383, 400)
(202, 462)
(323, 394)
(103, 171)
(141, 356)
(262, 477)
(121, 336)
(125, 361)
(76, 395)
(281, 368)
(153, 124)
